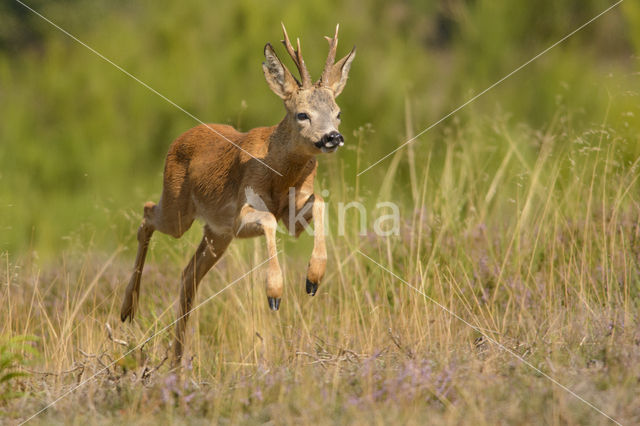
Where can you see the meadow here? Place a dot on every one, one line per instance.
(511, 294)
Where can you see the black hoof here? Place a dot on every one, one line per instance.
(274, 303)
(311, 287)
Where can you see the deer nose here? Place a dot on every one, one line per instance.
(332, 139)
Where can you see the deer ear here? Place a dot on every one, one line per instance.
(340, 73)
(279, 78)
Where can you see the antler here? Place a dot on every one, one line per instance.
(331, 57)
(296, 55)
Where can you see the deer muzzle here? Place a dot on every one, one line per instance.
(330, 141)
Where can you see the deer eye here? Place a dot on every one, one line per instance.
(302, 116)
(338, 116)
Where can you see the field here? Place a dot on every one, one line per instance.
(510, 293)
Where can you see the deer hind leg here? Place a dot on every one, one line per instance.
(208, 253)
(145, 231)
(172, 216)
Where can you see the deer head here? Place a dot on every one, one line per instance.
(312, 113)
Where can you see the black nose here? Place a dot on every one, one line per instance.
(332, 139)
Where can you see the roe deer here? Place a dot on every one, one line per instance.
(216, 173)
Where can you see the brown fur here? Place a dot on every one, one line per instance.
(211, 169)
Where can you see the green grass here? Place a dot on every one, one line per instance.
(519, 214)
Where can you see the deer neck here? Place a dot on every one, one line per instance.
(289, 158)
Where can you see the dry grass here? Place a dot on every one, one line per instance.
(540, 249)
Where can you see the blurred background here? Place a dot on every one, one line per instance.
(82, 145)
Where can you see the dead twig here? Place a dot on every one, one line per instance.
(114, 340)
(76, 367)
(403, 349)
(146, 372)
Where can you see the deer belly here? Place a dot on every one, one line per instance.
(219, 219)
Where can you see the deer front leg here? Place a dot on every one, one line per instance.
(251, 223)
(308, 207)
(318, 261)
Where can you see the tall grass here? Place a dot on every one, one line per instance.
(532, 237)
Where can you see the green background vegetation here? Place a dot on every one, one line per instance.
(520, 214)
(82, 145)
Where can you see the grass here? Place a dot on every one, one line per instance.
(524, 225)
(533, 237)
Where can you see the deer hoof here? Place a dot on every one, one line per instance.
(274, 303)
(311, 287)
(127, 314)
